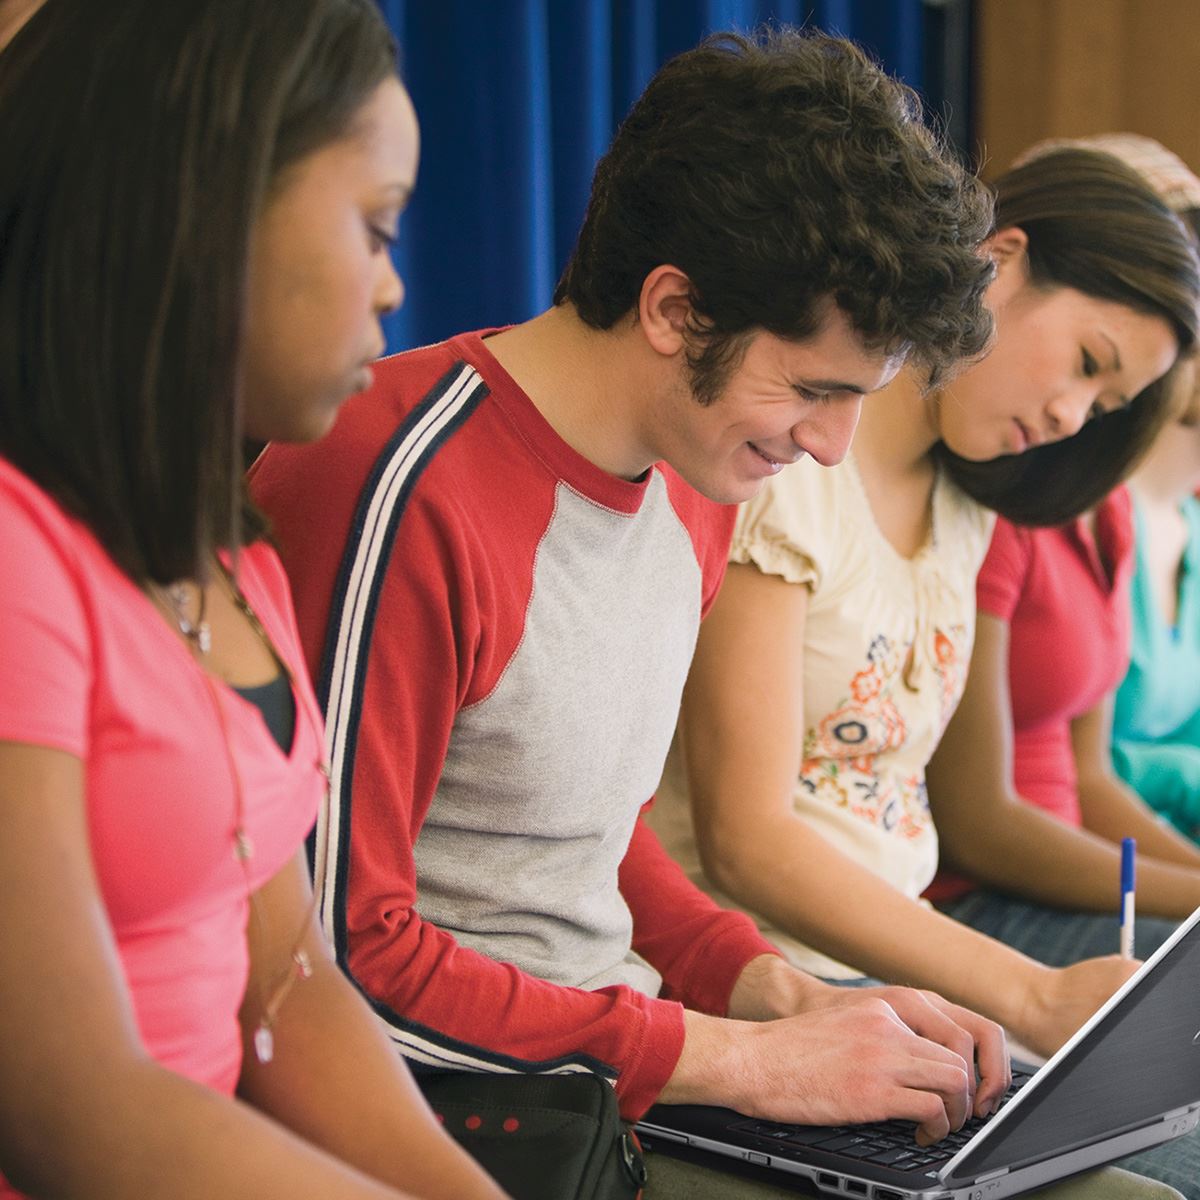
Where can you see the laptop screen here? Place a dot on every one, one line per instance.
(1140, 1060)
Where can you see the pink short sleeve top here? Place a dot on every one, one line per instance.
(1065, 597)
(89, 666)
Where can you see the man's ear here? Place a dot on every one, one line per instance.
(664, 307)
(1007, 244)
(1008, 248)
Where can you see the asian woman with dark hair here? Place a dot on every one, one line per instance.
(838, 647)
(837, 650)
(1023, 786)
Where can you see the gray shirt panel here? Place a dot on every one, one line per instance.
(544, 778)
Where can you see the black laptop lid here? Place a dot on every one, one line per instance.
(1140, 1059)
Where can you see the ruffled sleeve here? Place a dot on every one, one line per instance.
(790, 528)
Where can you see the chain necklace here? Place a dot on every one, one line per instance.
(198, 634)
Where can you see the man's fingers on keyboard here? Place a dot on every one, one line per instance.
(943, 1031)
(945, 1081)
(991, 1057)
(927, 1110)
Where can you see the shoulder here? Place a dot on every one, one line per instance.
(263, 578)
(21, 499)
(415, 393)
(415, 445)
(964, 526)
(1191, 512)
(59, 589)
(40, 542)
(800, 519)
(709, 523)
(1006, 566)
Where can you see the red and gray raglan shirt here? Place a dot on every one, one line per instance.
(500, 633)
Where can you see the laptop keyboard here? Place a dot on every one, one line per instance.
(885, 1143)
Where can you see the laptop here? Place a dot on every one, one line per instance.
(1127, 1080)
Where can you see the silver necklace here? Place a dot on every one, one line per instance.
(199, 635)
(198, 632)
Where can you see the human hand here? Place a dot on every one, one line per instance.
(976, 1040)
(844, 1062)
(769, 987)
(1060, 999)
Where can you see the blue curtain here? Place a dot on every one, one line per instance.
(518, 98)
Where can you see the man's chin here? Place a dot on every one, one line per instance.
(727, 492)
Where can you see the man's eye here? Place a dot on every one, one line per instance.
(813, 397)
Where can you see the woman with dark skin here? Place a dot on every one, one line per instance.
(207, 263)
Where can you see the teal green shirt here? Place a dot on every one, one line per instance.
(1156, 719)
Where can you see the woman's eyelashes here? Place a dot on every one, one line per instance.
(383, 234)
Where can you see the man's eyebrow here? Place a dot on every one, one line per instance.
(1116, 352)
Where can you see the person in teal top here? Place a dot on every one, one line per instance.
(1156, 713)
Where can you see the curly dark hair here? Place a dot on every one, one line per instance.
(1094, 225)
(777, 172)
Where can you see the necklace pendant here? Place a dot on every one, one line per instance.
(264, 1044)
(204, 637)
(243, 847)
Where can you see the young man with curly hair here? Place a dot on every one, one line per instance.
(500, 557)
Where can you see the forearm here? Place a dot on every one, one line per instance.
(1166, 775)
(709, 1068)
(1028, 852)
(810, 890)
(132, 1128)
(1113, 811)
(338, 1082)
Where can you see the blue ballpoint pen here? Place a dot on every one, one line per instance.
(1128, 854)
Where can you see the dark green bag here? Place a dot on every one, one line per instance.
(541, 1137)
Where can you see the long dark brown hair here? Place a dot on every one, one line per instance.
(1094, 225)
(139, 140)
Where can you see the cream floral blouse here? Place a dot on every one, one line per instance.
(887, 645)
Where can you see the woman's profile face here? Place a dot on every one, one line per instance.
(320, 273)
(1060, 358)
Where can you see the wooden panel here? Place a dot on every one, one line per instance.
(1065, 68)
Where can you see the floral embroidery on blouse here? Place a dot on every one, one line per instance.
(839, 765)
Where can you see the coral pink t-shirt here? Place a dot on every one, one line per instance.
(88, 665)
(1065, 597)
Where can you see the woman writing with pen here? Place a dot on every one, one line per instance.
(1027, 803)
(837, 648)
